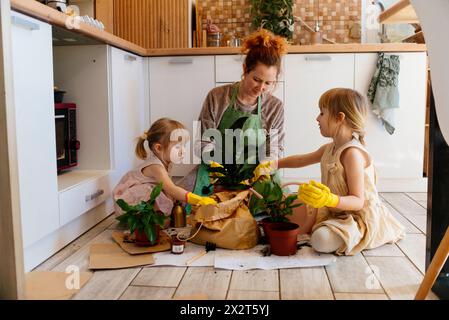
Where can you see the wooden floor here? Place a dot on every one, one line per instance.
(389, 272)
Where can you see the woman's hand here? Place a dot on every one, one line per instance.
(317, 195)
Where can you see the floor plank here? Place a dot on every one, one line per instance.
(147, 293)
(409, 227)
(361, 296)
(252, 295)
(205, 280)
(414, 246)
(418, 196)
(403, 204)
(74, 246)
(305, 284)
(416, 216)
(387, 250)
(81, 257)
(159, 277)
(352, 274)
(107, 284)
(398, 276)
(257, 280)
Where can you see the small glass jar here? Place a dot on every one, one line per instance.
(177, 246)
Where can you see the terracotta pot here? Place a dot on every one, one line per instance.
(142, 239)
(267, 225)
(283, 238)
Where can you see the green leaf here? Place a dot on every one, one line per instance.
(156, 192)
(150, 231)
(123, 205)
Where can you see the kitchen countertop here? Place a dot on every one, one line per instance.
(54, 17)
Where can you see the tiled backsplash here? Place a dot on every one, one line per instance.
(335, 17)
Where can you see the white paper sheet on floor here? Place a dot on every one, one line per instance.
(243, 259)
(253, 259)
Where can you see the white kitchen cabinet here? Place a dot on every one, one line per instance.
(178, 88)
(229, 68)
(398, 158)
(35, 126)
(307, 77)
(129, 115)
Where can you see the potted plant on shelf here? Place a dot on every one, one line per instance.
(143, 219)
(274, 15)
(281, 233)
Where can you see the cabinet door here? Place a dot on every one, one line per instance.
(307, 77)
(229, 68)
(35, 126)
(397, 156)
(178, 88)
(129, 117)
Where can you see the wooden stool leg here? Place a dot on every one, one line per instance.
(435, 266)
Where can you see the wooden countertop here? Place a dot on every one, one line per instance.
(54, 17)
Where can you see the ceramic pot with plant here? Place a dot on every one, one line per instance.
(277, 206)
(143, 219)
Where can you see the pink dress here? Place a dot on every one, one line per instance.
(135, 187)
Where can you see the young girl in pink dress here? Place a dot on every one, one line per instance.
(165, 142)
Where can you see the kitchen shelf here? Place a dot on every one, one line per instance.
(401, 12)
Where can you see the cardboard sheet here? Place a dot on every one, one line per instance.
(111, 256)
(52, 285)
(131, 248)
(254, 259)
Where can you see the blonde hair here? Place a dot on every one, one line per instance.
(159, 132)
(263, 47)
(351, 103)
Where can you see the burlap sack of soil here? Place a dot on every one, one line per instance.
(229, 224)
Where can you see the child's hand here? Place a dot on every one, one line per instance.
(197, 200)
(265, 168)
(317, 195)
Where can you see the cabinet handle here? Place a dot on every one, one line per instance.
(319, 57)
(21, 22)
(94, 195)
(130, 57)
(180, 61)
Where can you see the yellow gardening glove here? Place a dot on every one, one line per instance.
(317, 195)
(197, 200)
(265, 168)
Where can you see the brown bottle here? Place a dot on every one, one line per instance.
(178, 215)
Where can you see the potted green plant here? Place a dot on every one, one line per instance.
(281, 233)
(143, 219)
(273, 15)
(230, 176)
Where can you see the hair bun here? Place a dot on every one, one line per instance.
(265, 38)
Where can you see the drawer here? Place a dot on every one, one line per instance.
(229, 68)
(78, 200)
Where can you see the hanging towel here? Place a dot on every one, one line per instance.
(383, 91)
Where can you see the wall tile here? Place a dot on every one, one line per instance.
(335, 17)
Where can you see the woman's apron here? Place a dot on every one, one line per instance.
(229, 119)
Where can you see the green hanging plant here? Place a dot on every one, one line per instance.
(273, 15)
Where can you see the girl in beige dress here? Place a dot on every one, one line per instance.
(350, 215)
